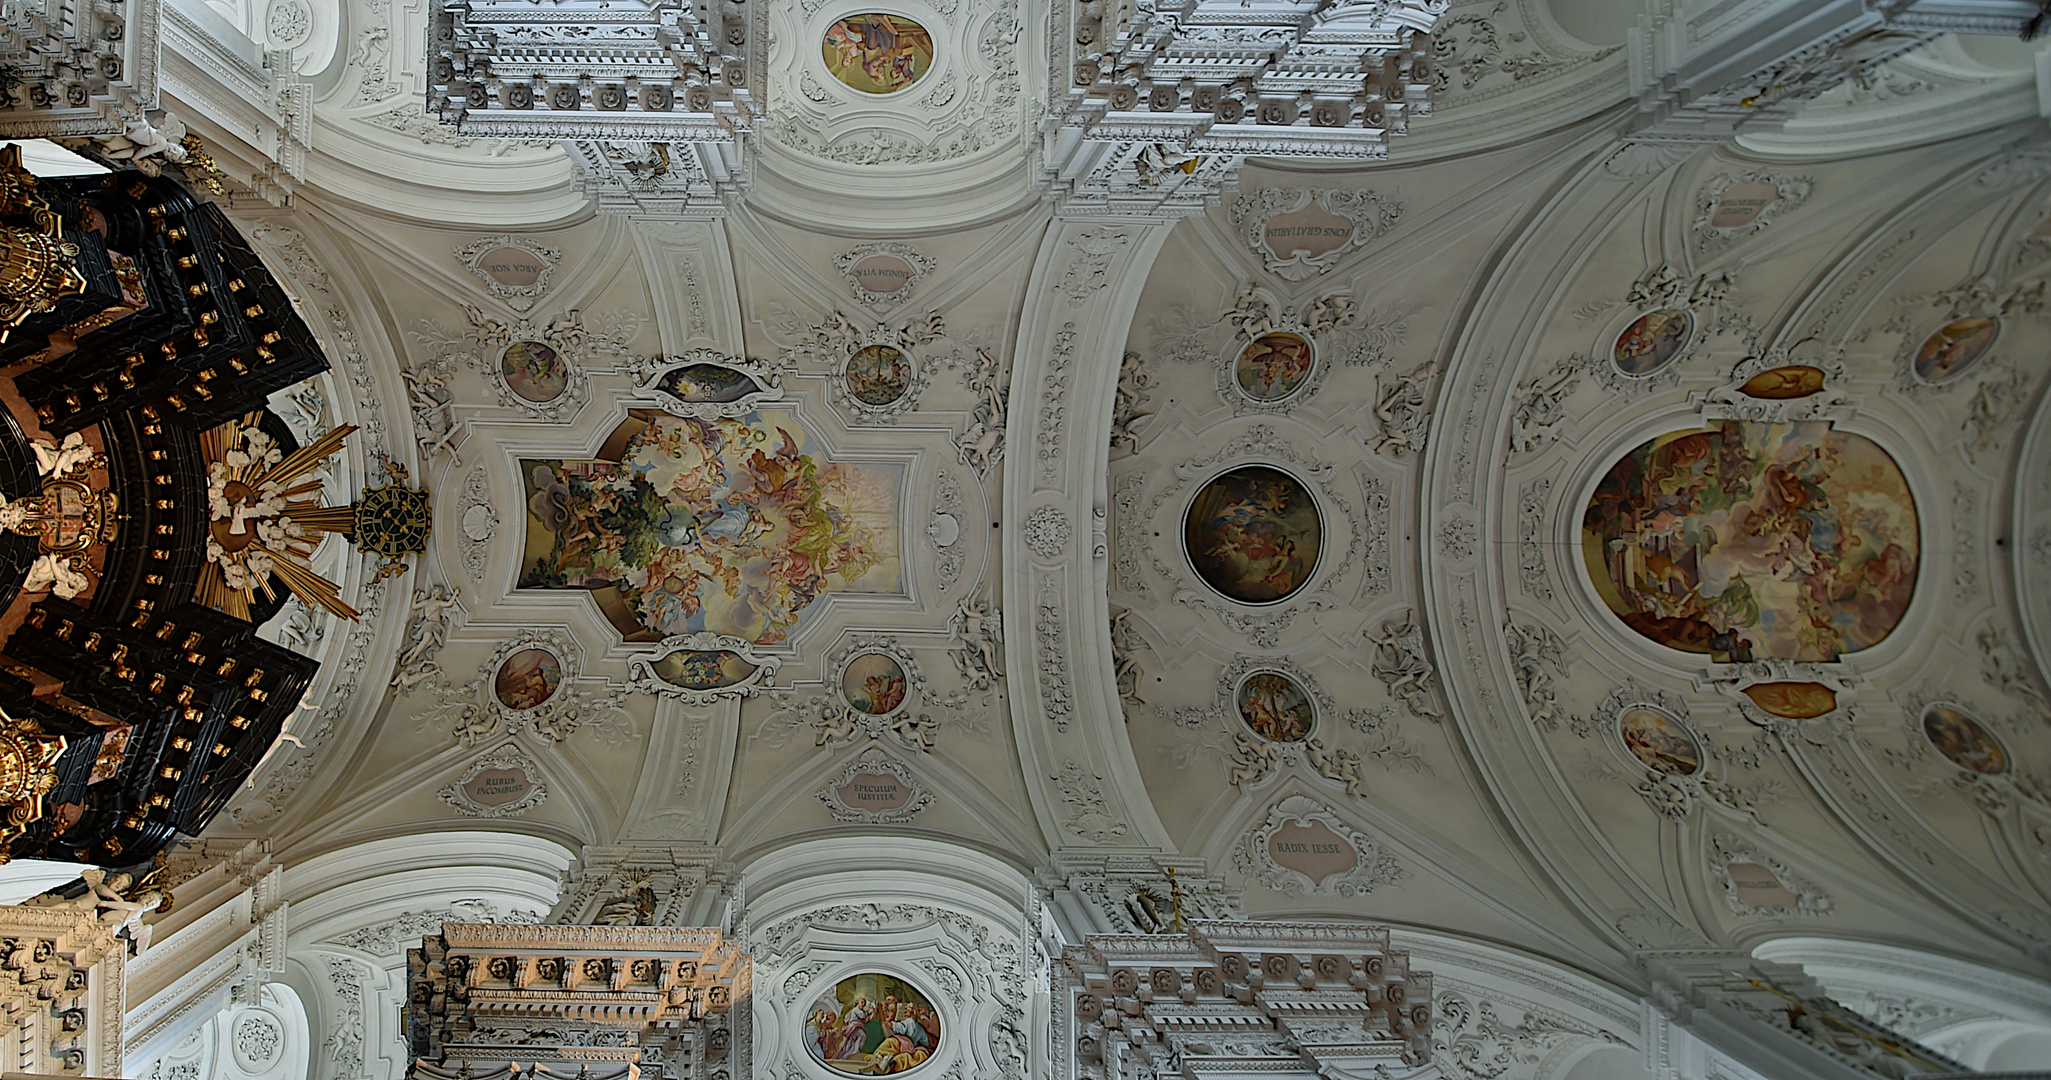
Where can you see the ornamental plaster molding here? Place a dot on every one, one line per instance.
(920, 263)
(834, 721)
(1375, 867)
(520, 297)
(1087, 816)
(641, 676)
(1790, 192)
(1474, 1041)
(869, 762)
(1831, 402)
(944, 530)
(1726, 849)
(1370, 214)
(477, 521)
(1998, 794)
(1258, 313)
(1533, 502)
(648, 371)
(482, 345)
(507, 757)
(1537, 655)
(473, 712)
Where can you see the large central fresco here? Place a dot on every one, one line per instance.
(1751, 541)
(727, 525)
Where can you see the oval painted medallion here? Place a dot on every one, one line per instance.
(702, 669)
(1962, 740)
(527, 678)
(877, 53)
(873, 683)
(1748, 541)
(871, 1024)
(1253, 534)
(1659, 740)
(1274, 707)
(1652, 342)
(1946, 354)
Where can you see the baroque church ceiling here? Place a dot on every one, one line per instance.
(1578, 541)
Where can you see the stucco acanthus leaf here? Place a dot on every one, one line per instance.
(2000, 666)
(1185, 335)
(1089, 268)
(1475, 1043)
(1088, 814)
(1492, 52)
(1532, 500)
(1056, 700)
(1402, 666)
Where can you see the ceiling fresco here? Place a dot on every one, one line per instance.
(1570, 526)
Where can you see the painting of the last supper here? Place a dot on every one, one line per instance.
(872, 1024)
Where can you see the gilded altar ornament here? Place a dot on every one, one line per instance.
(28, 770)
(67, 517)
(37, 265)
(266, 520)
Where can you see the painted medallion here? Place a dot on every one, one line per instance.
(1653, 341)
(1946, 354)
(871, 1024)
(1273, 367)
(707, 384)
(1962, 740)
(1749, 541)
(878, 374)
(527, 678)
(1660, 741)
(1794, 700)
(873, 683)
(702, 669)
(877, 53)
(1783, 383)
(734, 525)
(534, 371)
(1275, 707)
(1253, 534)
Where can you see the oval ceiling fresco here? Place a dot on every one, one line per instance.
(1652, 341)
(1253, 534)
(1962, 740)
(1946, 354)
(1274, 707)
(1749, 541)
(871, 1024)
(877, 53)
(1660, 741)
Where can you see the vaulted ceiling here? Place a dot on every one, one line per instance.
(1030, 431)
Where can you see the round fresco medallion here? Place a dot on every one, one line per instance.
(872, 1024)
(877, 53)
(1659, 740)
(1782, 383)
(873, 683)
(534, 371)
(527, 678)
(702, 669)
(1962, 740)
(1275, 707)
(878, 374)
(1253, 534)
(1653, 341)
(1273, 367)
(1749, 541)
(1947, 353)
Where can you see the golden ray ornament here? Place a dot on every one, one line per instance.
(266, 519)
(28, 770)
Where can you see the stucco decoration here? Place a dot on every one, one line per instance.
(514, 269)
(1304, 847)
(706, 383)
(1755, 884)
(1302, 233)
(872, 686)
(883, 274)
(874, 789)
(474, 711)
(1734, 205)
(703, 668)
(1280, 354)
(502, 783)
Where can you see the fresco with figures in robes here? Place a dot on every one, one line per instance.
(1748, 541)
(732, 525)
